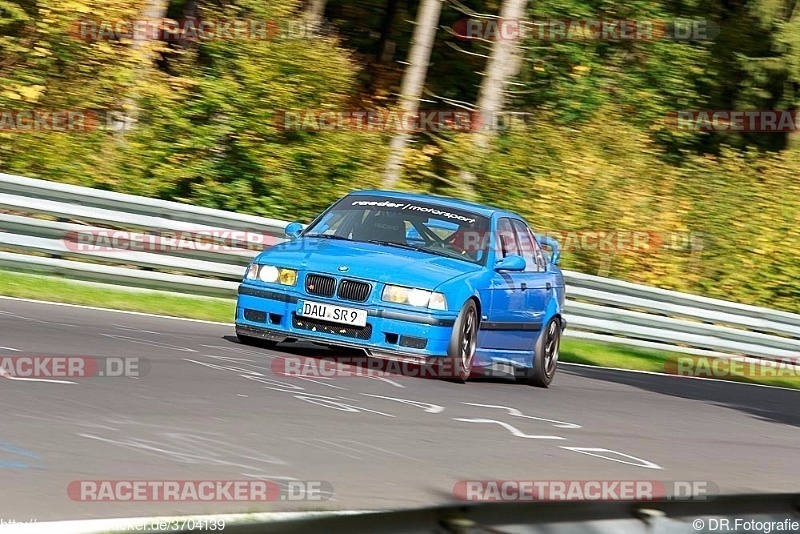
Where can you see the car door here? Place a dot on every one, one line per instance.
(536, 280)
(507, 324)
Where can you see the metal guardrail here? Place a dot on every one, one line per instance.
(40, 220)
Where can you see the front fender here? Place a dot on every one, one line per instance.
(460, 288)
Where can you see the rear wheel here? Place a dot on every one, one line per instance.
(463, 341)
(545, 359)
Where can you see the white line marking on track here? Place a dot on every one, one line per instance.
(596, 452)
(64, 420)
(426, 406)
(321, 383)
(276, 385)
(242, 351)
(224, 367)
(95, 308)
(388, 381)
(7, 376)
(31, 319)
(516, 413)
(123, 327)
(149, 342)
(228, 358)
(328, 402)
(311, 443)
(12, 349)
(190, 449)
(333, 444)
(514, 430)
(267, 477)
(385, 451)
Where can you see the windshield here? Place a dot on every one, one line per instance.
(440, 230)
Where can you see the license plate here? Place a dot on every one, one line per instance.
(332, 313)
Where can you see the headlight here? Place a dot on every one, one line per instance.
(437, 302)
(268, 273)
(287, 277)
(271, 274)
(414, 297)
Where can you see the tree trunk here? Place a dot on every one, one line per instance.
(413, 82)
(314, 12)
(190, 8)
(503, 64)
(382, 48)
(155, 11)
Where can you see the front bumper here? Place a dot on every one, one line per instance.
(391, 332)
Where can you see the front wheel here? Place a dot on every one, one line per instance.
(545, 358)
(463, 340)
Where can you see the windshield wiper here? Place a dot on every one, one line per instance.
(394, 244)
(447, 253)
(329, 236)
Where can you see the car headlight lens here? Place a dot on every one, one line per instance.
(418, 297)
(287, 277)
(395, 294)
(271, 274)
(437, 302)
(268, 273)
(414, 297)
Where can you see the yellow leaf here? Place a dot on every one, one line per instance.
(31, 93)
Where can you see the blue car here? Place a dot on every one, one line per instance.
(418, 278)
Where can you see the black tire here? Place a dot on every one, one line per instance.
(463, 341)
(545, 360)
(257, 342)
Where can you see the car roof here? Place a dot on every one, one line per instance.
(474, 207)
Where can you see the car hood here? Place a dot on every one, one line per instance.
(368, 261)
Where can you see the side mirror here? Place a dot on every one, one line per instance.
(293, 230)
(551, 242)
(512, 262)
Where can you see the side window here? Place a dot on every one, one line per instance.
(506, 241)
(527, 245)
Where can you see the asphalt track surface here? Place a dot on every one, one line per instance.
(211, 409)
